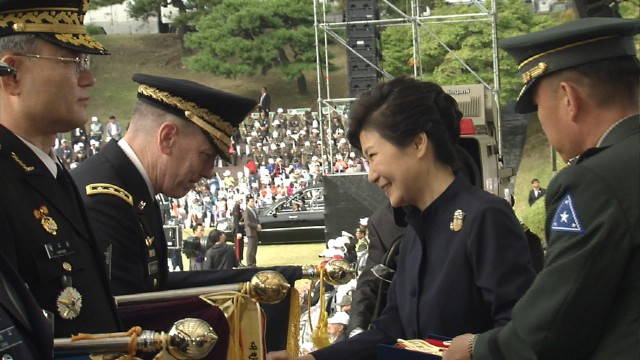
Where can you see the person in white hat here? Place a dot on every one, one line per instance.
(337, 325)
(95, 130)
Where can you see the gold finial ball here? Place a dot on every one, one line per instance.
(268, 287)
(339, 272)
(191, 338)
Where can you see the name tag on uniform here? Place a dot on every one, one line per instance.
(9, 338)
(153, 268)
(58, 248)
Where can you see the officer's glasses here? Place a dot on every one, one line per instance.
(81, 62)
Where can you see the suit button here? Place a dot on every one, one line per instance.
(413, 292)
(66, 266)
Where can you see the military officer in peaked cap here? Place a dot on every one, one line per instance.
(26, 332)
(177, 130)
(583, 79)
(52, 245)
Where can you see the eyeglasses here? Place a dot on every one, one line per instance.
(82, 62)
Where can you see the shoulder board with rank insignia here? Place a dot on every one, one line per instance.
(109, 189)
(566, 217)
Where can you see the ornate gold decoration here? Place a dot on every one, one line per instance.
(80, 39)
(21, 163)
(534, 72)
(268, 287)
(69, 303)
(458, 220)
(109, 189)
(220, 130)
(65, 23)
(47, 221)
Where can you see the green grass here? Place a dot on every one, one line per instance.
(161, 54)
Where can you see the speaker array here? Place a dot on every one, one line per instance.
(365, 40)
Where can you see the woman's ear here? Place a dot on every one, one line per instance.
(420, 143)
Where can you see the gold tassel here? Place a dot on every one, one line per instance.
(320, 336)
(293, 334)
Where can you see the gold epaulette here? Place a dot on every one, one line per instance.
(109, 189)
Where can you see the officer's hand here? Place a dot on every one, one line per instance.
(459, 348)
(282, 355)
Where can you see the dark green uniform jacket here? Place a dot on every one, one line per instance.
(585, 304)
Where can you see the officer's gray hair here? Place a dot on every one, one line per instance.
(22, 43)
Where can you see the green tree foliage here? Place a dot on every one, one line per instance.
(249, 37)
(470, 41)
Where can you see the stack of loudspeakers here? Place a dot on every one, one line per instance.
(596, 8)
(365, 40)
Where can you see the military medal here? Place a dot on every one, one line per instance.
(458, 219)
(47, 221)
(69, 303)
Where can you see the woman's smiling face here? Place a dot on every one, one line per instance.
(392, 168)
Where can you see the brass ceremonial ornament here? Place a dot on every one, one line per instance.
(47, 221)
(69, 303)
(458, 220)
(191, 339)
(338, 272)
(268, 287)
(188, 338)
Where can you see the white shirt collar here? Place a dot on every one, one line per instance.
(48, 159)
(124, 145)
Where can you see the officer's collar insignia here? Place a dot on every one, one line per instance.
(141, 205)
(21, 163)
(458, 220)
(149, 240)
(69, 303)
(566, 217)
(42, 214)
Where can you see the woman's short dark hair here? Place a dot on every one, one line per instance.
(403, 108)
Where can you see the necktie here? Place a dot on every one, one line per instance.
(64, 180)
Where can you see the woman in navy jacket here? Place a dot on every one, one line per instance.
(464, 259)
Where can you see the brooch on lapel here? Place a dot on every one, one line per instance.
(47, 221)
(458, 220)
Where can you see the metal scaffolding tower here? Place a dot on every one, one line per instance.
(420, 20)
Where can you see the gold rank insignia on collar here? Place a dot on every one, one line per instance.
(109, 189)
(458, 220)
(21, 163)
(47, 221)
